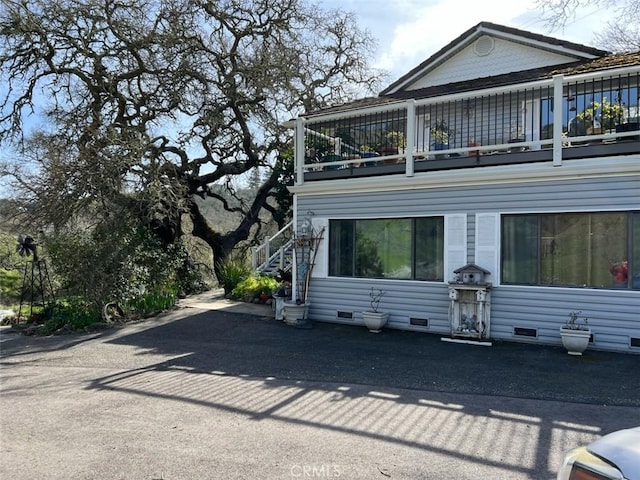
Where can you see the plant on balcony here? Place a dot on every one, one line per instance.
(440, 134)
(516, 134)
(396, 139)
(607, 114)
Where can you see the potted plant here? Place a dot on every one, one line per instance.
(473, 143)
(601, 116)
(440, 135)
(575, 335)
(373, 319)
(516, 136)
(394, 143)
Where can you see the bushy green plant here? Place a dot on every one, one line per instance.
(116, 262)
(10, 281)
(233, 271)
(73, 314)
(609, 114)
(254, 286)
(153, 302)
(11, 269)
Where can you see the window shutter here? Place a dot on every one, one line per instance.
(455, 240)
(320, 267)
(487, 243)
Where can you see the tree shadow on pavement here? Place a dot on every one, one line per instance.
(406, 389)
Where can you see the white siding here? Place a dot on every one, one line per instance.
(614, 315)
(506, 57)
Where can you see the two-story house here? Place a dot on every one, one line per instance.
(512, 151)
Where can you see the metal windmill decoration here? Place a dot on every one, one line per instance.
(36, 279)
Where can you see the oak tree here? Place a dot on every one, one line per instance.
(141, 106)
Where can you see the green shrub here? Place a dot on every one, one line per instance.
(10, 283)
(11, 269)
(254, 286)
(124, 263)
(232, 272)
(153, 302)
(73, 314)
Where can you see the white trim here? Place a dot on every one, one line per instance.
(540, 44)
(298, 154)
(557, 122)
(513, 87)
(347, 112)
(497, 34)
(487, 244)
(294, 270)
(620, 166)
(584, 290)
(455, 243)
(321, 265)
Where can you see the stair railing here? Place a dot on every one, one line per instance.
(261, 255)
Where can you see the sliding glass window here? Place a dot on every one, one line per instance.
(398, 248)
(593, 250)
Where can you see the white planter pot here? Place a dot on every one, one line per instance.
(278, 307)
(575, 341)
(374, 321)
(294, 313)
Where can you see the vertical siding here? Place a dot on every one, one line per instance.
(614, 315)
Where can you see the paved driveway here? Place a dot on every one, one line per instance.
(206, 394)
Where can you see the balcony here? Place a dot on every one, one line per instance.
(551, 120)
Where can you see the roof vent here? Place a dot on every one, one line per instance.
(483, 46)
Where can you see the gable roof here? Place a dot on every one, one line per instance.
(615, 60)
(541, 42)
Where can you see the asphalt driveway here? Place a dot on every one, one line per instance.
(220, 390)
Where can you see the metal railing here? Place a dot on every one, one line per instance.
(555, 113)
(273, 250)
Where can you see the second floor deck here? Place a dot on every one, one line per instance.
(555, 119)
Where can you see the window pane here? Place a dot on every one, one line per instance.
(429, 248)
(520, 249)
(580, 249)
(383, 248)
(635, 249)
(341, 233)
(609, 264)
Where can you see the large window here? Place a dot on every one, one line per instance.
(400, 248)
(599, 250)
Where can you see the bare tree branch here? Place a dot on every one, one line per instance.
(146, 103)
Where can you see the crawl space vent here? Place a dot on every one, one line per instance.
(525, 332)
(483, 46)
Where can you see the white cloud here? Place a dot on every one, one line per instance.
(409, 31)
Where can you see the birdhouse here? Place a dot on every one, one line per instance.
(471, 274)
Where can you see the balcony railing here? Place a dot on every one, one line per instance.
(537, 121)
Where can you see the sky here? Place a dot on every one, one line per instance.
(409, 31)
